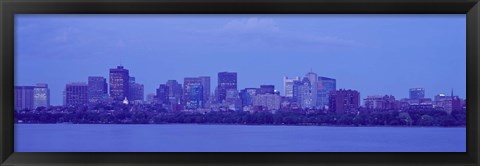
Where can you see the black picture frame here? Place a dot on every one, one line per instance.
(9, 8)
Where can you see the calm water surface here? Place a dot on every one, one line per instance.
(233, 138)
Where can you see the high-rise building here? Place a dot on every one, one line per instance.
(76, 94)
(193, 92)
(342, 100)
(150, 98)
(135, 90)
(313, 78)
(325, 86)
(288, 86)
(119, 79)
(162, 95)
(303, 93)
(266, 89)
(41, 95)
(24, 97)
(417, 93)
(206, 87)
(226, 80)
(175, 92)
(97, 89)
(246, 95)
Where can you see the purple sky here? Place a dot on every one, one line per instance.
(374, 54)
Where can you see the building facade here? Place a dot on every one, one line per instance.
(119, 83)
(24, 97)
(325, 86)
(97, 89)
(342, 101)
(76, 94)
(288, 86)
(41, 95)
(226, 81)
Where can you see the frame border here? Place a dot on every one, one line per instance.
(8, 8)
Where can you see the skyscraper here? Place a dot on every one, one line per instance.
(288, 86)
(135, 90)
(97, 89)
(41, 95)
(206, 87)
(226, 80)
(119, 79)
(23, 97)
(76, 94)
(342, 100)
(193, 92)
(175, 92)
(162, 95)
(325, 86)
(313, 78)
(304, 93)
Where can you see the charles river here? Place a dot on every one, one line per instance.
(234, 138)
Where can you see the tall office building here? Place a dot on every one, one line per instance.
(288, 86)
(23, 97)
(268, 101)
(193, 92)
(41, 95)
(76, 94)
(303, 93)
(162, 95)
(135, 90)
(313, 78)
(97, 89)
(325, 86)
(226, 80)
(119, 79)
(175, 92)
(417, 93)
(266, 89)
(206, 87)
(342, 100)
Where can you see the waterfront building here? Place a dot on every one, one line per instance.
(175, 92)
(97, 89)
(76, 94)
(193, 92)
(135, 91)
(342, 101)
(325, 86)
(226, 81)
(304, 93)
(379, 102)
(162, 95)
(23, 97)
(41, 95)
(288, 86)
(119, 83)
(206, 87)
(269, 101)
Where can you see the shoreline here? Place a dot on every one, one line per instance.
(242, 125)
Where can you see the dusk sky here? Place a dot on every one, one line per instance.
(374, 54)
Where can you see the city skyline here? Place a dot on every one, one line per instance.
(83, 46)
